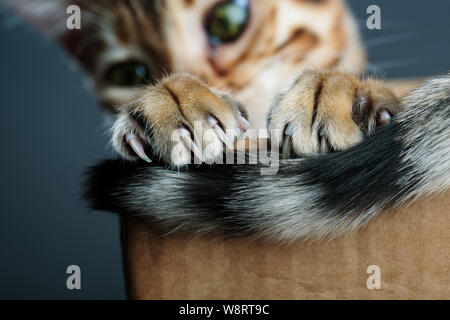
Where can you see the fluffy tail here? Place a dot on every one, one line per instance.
(309, 197)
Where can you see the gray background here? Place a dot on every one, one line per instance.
(51, 131)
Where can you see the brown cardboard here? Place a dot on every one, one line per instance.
(411, 245)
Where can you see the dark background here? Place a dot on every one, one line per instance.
(51, 130)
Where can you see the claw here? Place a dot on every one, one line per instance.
(324, 143)
(243, 123)
(190, 145)
(218, 130)
(286, 149)
(137, 145)
(289, 130)
(383, 118)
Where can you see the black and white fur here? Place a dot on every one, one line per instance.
(312, 197)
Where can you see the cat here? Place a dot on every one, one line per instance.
(161, 66)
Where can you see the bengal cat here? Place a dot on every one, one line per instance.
(292, 66)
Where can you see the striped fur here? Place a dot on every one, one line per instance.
(311, 197)
(167, 36)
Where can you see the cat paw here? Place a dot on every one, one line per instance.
(178, 121)
(325, 111)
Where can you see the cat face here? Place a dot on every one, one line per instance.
(248, 46)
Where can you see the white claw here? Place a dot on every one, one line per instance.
(324, 146)
(384, 118)
(289, 131)
(189, 144)
(137, 145)
(218, 130)
(286, 149)
(243, 123)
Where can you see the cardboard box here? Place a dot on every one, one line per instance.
(410, 245)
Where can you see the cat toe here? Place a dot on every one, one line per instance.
(328, 111)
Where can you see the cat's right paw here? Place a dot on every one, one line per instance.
(326, 111)
(178, 121)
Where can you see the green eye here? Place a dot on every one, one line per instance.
(128, 74)
(227, 20)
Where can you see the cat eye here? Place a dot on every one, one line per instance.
(226, 21)
(128, 74)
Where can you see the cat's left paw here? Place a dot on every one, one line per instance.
(325, 111)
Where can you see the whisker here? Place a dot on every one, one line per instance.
(384, 66)
(389, 39)
(392, 64)
(386, 24)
